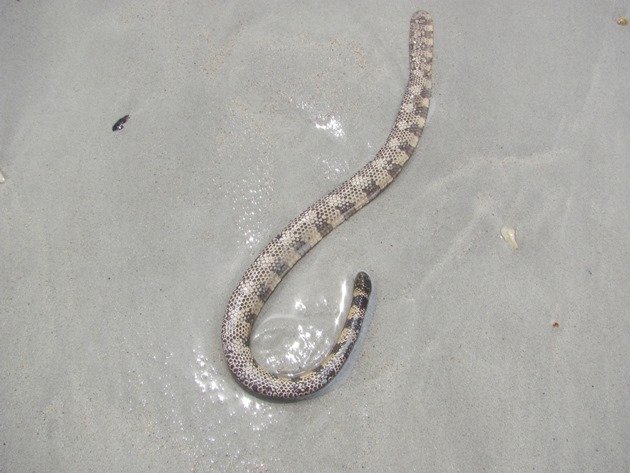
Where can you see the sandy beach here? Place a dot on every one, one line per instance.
(119, 249)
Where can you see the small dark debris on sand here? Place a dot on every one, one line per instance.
(120, 124)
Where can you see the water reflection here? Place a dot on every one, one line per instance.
(293, 342)
(238, 402)
(326, 122)
(330, 123)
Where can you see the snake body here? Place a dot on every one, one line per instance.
(308, 228)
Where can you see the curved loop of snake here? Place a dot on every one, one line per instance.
(308, 228)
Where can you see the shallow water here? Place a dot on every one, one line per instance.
(118, 251)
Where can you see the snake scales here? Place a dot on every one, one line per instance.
(308, 228)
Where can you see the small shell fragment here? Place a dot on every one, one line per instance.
(120, 123)
(509, 235)
(622, 21)
(1, 178)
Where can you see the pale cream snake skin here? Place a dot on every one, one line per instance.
(308, 228)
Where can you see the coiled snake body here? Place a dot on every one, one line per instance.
(308, 228)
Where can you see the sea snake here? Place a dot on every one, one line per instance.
(308, 228)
